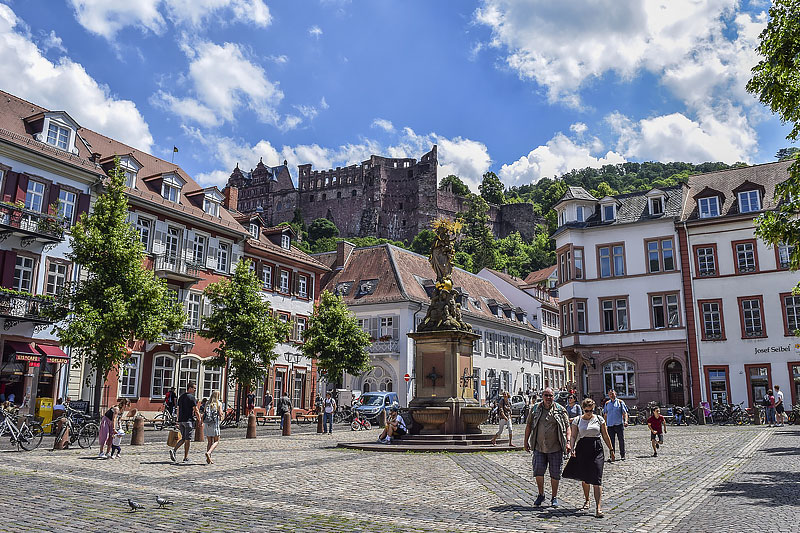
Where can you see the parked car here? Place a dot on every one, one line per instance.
(518, 404)
(372, 403)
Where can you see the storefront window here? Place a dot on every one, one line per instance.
(163, 373)
(280, 382)
(620, 376)
(796, 382)
(759, 383)
(718, 384)
(128, 380)
(212, 380)
(190, 369)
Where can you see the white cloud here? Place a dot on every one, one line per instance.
(222, 81)
(65, 85)
(107, 17)
(715, 136)
(382, 123)
(315, 31)
(52, 41)
(579, 128)
(281, 59)
(558, 156)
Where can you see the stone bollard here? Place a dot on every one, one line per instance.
(287, 424)
(756, 417)
(251, 426)
(137, 435)
(63, 443)
(198, 433)
(701, 415)
(320, 427)
(382, 418)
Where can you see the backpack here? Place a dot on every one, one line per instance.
(766, 401)
(211, 416)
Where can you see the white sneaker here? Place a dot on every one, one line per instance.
(101, 456)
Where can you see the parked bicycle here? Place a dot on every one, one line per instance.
(359, 423)
(82, 429)
(230, 420)
(22, 436)
(343, 413)
(166, 418)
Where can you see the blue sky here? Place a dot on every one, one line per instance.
(526, 88)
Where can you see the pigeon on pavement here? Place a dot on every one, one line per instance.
(163, 501)
(135, 506)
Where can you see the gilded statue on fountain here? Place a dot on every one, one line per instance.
(444, 312)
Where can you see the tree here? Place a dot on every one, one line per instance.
(776, 83)
(422, 242)
(603, 190)
(456, 185)
(492, 189)
(242, 326)
(119, 300)
(787, 153)
(478, 240)
(335, 339)
(322, 228)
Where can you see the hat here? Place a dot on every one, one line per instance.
(394, 409)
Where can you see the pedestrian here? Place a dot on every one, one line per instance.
(187, 415)
(169, 401)
(283, 406)
(573, 408)
(769, 407)
(779, 407)
(202, 410)
(658, 426)
(211, 418)
(58, 409)
(548, 434)
(504, 417)
(267, 403)
(251, 403)
(587, 452)
(329, 407)
(616, 414)
(116, 444)
(109, 423)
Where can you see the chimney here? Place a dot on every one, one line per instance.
(231, 200)
(343, 251)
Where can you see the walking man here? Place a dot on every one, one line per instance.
(779, 407)
(504, 417)
(187, 415)
(548, 434)
(283, 406)
(616, 414)
(330, 407)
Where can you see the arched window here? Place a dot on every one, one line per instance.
(377, 380)
(163, 375)
(620, 376)
(190, 370)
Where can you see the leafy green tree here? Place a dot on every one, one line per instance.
(787, 153)
(478, 240)
(458, 186)
(335, 339)
(603, 190)
(242, 326)
(776, 83)
(492, 189)
(120, 300)
(464, 260)
(422, 242)
(322, 228)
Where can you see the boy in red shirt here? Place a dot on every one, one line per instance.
(658, 427)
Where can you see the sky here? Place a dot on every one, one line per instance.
(525, 88)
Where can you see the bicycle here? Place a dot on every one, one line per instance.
(359, 423)
(81, 430)
(23, 436)
(230, 420)
(166, 418)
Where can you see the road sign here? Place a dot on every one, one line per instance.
(407, 377)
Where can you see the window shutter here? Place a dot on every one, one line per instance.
(309, 395)
(188, 248)
(395, 327)
(235, 256)
(295, 283)
(10, 188)
(55, 189)
(7, 261)
(374, 327)
(211, 258)
(22, 188)
(295, 335)
(160, 237)
(132, 218)
(83, 205)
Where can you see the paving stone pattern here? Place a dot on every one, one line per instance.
(705, 479)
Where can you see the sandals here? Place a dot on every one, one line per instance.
(208, 459)
(599, 514)
(585, 505)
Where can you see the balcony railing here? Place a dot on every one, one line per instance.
(389, 346)
(31, 224)
(173, 266)
(18, 307)
(185, 335)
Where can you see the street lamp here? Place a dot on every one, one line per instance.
(292, 358)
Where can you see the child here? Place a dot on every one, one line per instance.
(116, 443)
(658, 427)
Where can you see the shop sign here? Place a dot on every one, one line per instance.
(775, 349)
(31, 359)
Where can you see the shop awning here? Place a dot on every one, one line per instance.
(23, 349)
(54, 353)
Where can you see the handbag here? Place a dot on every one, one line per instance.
(173, 437)
(572, 469)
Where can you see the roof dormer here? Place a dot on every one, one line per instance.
(55, 128)
(709, 202)
(608, 208)
(171, 185)
(656, 202)
(749, 196)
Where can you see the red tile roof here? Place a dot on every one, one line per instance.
(539, 275)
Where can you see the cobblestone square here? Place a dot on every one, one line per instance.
(705, 479)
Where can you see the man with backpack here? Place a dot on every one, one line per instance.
(283, 406)
(329, 407)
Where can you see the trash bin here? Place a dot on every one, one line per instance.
(44, 410)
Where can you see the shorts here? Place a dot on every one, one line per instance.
(541, 461)
(779, 409)
(503, 424)
(659, 436)
(399, 432)
(186, 429)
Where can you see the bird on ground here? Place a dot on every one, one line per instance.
(163, 501)
(134, 506)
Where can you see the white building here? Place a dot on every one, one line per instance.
(621, 296)
(543, 312)
(743, 315)
(389, 289)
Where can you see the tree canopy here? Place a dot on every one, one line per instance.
(456, 185)
(492, 189)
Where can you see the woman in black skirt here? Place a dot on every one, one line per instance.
(588, 454)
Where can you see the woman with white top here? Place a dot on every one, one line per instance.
(588, 452)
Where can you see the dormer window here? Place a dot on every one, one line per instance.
(609, 212)
(58, 136)
(656, 206)
(211, 207)
(130, 167)
(709, 207)
(171, 187)
(579, 213)
(749, 201)
(254, 230)
(286, 242)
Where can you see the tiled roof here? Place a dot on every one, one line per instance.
(294, 253)
(401, 275)
(539, 275)
(523, 284)
(576, 193)
(726, 182)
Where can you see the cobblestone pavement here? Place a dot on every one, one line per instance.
(704, 479)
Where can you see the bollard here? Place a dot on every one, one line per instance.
(320, 427)
(287, 424)
(198, 432)
(64, 442)
(701, 415)
(382, 418)
(251, 426)
(755, 418)
(137, 435)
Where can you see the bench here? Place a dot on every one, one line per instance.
(305, 415)
(262, 419)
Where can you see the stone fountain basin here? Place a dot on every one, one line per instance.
(431, 417)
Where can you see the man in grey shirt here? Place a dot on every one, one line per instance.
(548, 434)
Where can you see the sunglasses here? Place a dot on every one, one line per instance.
(547, 395)
(589, 410)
